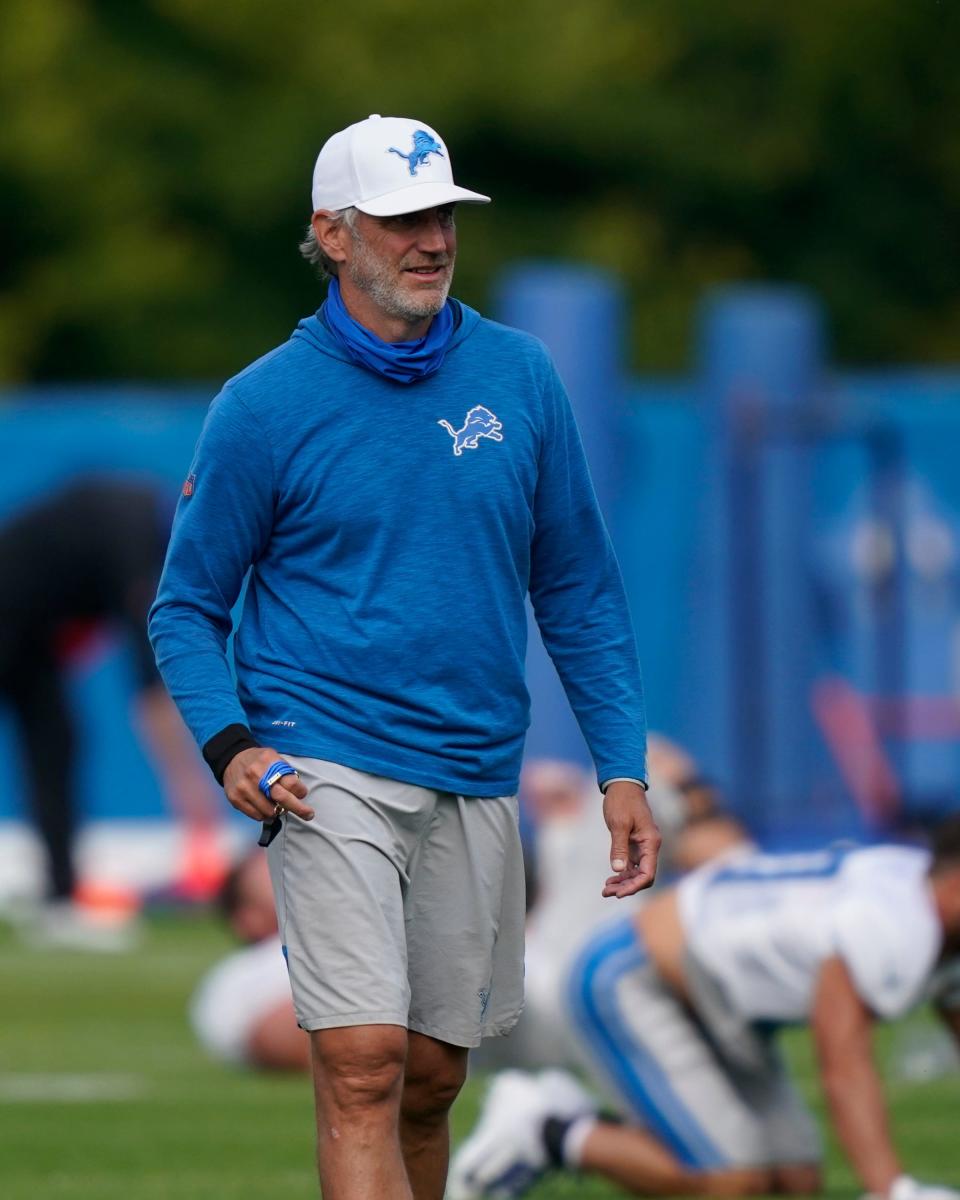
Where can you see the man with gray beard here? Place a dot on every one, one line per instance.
(395, 479)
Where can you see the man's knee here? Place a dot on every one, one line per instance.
(799, 1180)
(428, 1099)
(434, 1077)
(359, 1068)
(738, 1181)
(802, 1179)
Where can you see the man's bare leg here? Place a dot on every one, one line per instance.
(358, 1082)
(434, 1075)
(642, 1165)
(800, 1179)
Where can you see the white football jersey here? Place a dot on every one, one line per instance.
(763, 924)
(235, 994)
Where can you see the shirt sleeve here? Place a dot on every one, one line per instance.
(579, 600)
(221, 527)
(889, 944)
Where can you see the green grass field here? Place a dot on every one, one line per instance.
(104, 1096)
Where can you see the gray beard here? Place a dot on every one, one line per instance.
(371, 275)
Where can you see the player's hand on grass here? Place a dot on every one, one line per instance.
(634, 839)
(241, 782)
(908, 1188)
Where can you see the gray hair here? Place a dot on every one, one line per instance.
(310, 248)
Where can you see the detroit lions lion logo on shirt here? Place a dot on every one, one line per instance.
(423, 146)
(480, 422)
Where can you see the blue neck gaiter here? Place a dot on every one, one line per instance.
(404, 362)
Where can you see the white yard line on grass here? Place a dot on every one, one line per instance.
(70, 1089)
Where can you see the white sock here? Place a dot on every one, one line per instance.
(574, 1138)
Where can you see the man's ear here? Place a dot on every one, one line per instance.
(331, 234)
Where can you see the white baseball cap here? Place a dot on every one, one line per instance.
(386, 166)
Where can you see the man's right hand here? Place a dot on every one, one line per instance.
(241, 782)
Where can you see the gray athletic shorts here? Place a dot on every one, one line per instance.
(670, 1073)
(400, 905)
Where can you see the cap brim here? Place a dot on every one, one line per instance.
(418, 196)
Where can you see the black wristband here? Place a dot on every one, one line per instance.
(225, 746)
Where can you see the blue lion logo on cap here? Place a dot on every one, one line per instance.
(424, 144)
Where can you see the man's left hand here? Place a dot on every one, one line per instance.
(635, 839)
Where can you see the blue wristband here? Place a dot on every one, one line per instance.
(275, 771)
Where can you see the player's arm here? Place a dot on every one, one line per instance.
(842, 1027)
(190, 790)
(223, 524)
(581, 609)
(951, 1018)
(945, 996)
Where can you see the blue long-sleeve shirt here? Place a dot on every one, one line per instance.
(392, 533)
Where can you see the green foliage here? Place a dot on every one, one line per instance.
(155, 158)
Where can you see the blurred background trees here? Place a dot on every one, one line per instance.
(155, 159)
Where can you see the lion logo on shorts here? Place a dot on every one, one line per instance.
(480, 422)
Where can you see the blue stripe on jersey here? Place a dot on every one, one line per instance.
(821, 864)
(638, 1077)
